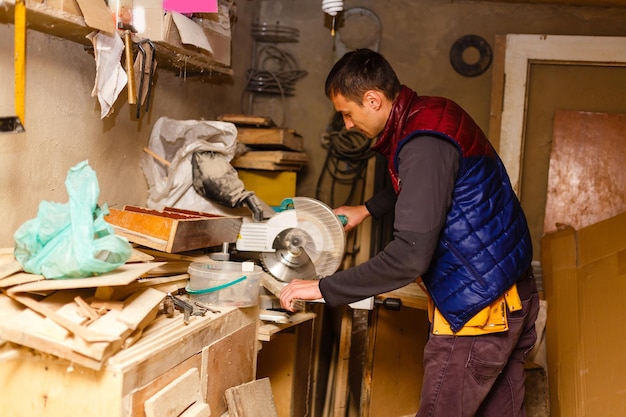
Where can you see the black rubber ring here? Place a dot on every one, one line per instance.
(459, 47)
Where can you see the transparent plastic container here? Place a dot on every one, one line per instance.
(225, 283)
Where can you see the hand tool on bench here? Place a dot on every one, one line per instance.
(128, 30)
(188, 309)
(150, 73)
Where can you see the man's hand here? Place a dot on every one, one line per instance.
(355, 215)
(299, 289)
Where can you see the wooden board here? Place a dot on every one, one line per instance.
(123, 275)
(586, 180)
(253, 399)
(220, 373)
(275, 138)
(247, 120)
(271, 160)
(176, 397)
(8, 264)
(268, 330)
(410, 295)
(173, 230)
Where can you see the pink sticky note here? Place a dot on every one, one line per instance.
(190, 6)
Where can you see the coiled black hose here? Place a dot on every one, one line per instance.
(345, 164)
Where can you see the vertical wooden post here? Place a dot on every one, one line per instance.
(20, 58)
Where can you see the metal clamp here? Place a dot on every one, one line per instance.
(188, 309)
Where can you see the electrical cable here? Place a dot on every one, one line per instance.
(345, 164)
(275, 71)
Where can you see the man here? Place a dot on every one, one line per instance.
(457, 224)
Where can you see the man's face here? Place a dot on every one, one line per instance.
(365, 117)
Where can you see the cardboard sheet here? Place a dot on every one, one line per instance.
(97, 15)
(191, 33)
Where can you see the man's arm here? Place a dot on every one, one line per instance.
(427, 168)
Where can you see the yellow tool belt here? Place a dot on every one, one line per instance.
(491, 319)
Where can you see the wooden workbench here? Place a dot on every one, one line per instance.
(173, 365)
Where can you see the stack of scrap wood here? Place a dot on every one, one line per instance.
(270, 148)
(87, 320)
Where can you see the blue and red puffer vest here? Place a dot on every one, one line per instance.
(485, 245)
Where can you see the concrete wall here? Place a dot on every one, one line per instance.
(416, 39)
(64, 127)
(63, 124)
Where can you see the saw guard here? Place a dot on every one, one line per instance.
(324, 243)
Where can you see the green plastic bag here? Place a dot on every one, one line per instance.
(71, 240)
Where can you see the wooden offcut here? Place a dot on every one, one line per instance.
(173, 230)
(274, 138)
(253, 399)
(247, 120)
(271, 160)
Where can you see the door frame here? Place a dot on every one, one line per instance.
(515, 54)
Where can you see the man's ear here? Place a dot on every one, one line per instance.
(373, 99)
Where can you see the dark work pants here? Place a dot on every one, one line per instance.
(483, 376)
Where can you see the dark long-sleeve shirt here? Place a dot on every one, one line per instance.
(427, 168)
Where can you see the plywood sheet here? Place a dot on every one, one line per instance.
(587, 180)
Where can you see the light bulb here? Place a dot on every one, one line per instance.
(332, 7)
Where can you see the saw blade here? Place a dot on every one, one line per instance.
(290, 260)
(310, 249)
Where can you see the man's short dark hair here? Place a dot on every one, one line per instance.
(359, 71)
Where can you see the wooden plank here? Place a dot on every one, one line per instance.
(277, 157)
(265, 165)
(123, 275)
(141, 308)
(267, 331)
(175, 398)
(340, 397)
(9, 265)
(160, 347)
(301, 393)
(108, 324)
(19, 278)
(271, 160)
(247, 120)
(22, 326)
(497, 90)
(277, 138)
(220, 373)
(411, 296)
(197, 410)
(77, 330)
(139, 396)
(254, 399)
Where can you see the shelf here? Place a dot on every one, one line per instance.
(59, 23)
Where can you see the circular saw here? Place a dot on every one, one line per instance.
(304, 240)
